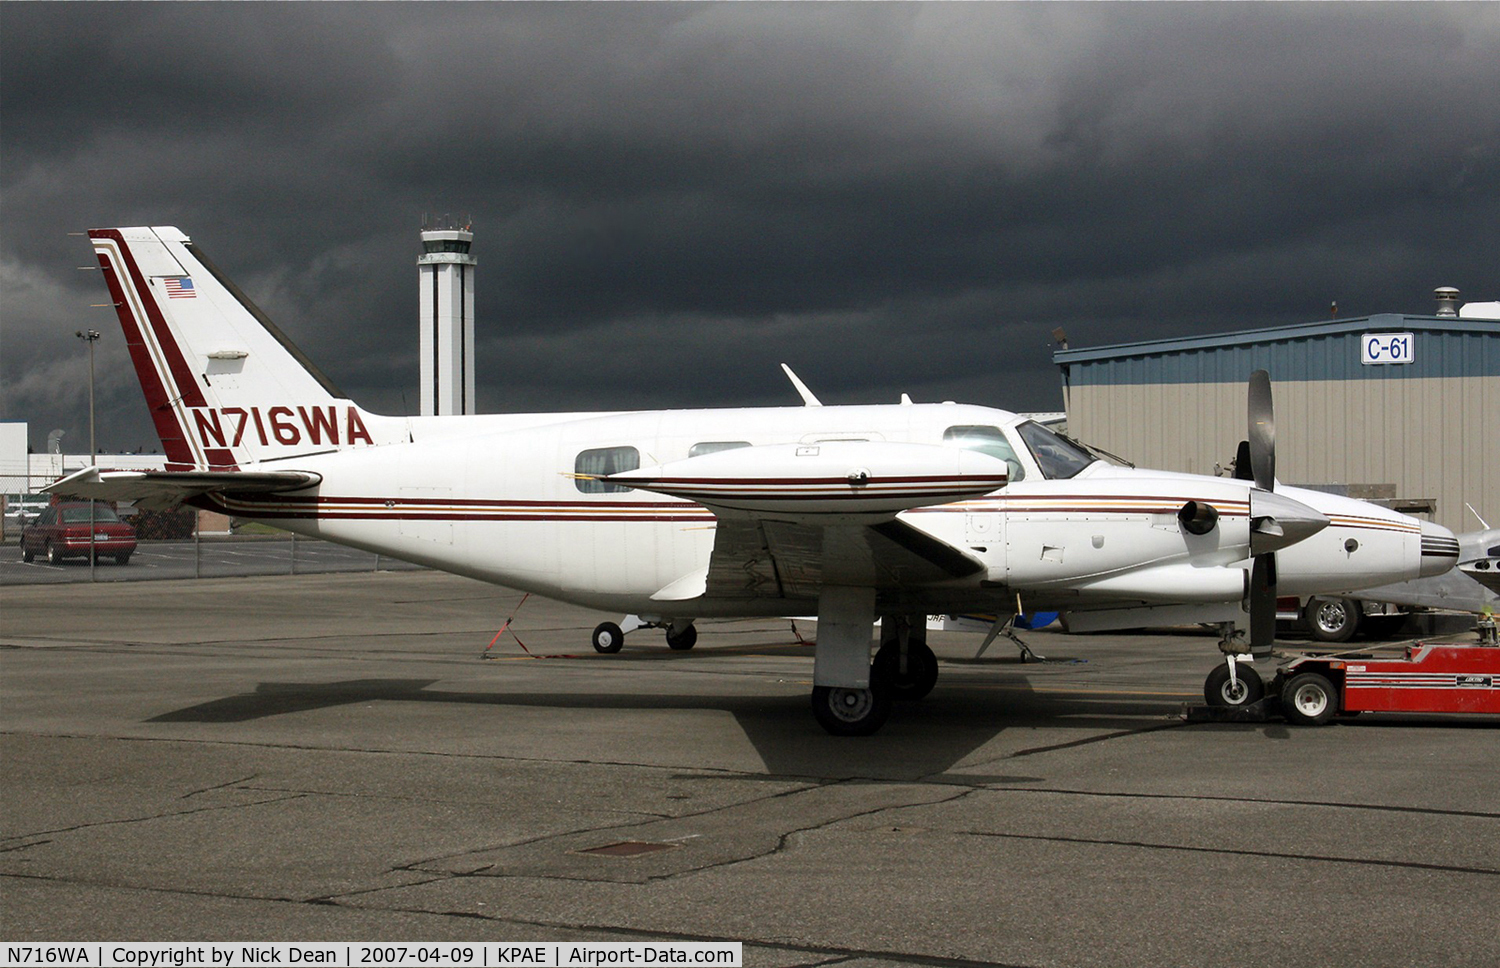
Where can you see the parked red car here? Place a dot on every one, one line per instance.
(63, 531)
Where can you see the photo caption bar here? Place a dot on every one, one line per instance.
(248, 954)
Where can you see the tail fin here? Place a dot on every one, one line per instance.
(225, 387)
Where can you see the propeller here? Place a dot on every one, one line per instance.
(1260, 447)
(1263, 603)
(1262, 442)
(1275, 520)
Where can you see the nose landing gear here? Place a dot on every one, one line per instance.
(1233, 684)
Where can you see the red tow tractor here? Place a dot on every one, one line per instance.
(1422, 678)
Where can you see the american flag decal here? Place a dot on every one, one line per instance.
(180, 287)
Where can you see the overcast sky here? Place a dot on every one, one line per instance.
(668, 200)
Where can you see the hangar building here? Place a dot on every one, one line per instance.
(1385, 406)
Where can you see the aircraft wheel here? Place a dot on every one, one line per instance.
(1309, 699)
(683, 640)
(1219, 691)
(608, 637)
(921, 670)
(851, 712)
(1332, 619)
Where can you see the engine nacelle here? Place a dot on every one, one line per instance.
(859, 478)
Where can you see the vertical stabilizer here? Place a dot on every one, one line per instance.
(225, 387)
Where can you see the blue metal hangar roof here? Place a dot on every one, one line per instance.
(1443, 346)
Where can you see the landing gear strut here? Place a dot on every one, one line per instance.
(1006, 626)
(904, 663)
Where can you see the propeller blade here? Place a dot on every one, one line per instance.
(1262, 431)
(1262, 604)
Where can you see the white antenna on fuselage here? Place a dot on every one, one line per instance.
(807, 395)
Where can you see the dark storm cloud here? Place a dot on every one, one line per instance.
(670, 199)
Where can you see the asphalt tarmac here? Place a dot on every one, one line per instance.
(328, 758)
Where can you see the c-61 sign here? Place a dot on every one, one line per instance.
(1386, 348)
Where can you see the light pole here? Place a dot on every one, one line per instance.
(90, 336)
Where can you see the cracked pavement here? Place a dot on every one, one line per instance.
(329, 758)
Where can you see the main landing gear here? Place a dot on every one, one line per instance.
(609, 637)
(904, 668)
(852, 694)
(859, 712)
(851, 712)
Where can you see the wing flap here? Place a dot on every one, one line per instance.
(762, 558)
(159, 490)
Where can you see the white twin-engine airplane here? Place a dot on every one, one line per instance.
(855, 513)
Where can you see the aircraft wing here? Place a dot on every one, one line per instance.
(793, 518)
(159, 490)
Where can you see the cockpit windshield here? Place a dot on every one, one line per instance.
(1058, 457)
(986, 440)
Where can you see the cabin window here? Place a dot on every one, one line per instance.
(986, 440)
(602, 461)
(1059, 457)
(714, 446)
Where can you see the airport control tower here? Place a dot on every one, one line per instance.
(446, 274)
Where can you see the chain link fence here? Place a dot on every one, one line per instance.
(185, 543)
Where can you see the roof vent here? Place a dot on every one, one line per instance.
(1447, 298)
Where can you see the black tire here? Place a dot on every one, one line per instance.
(26, 553)
(54, 557)
(123, 558)
(921, 670)
(1218, 691)
(1331, 619)
(851, 712)
(683, 640)
(608, 637)
(1309, 699)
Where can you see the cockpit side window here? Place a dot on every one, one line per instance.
(1058, 458)
(986, 440)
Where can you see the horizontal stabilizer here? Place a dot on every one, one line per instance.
(158, 490)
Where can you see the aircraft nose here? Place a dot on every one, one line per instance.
(1439, 549)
